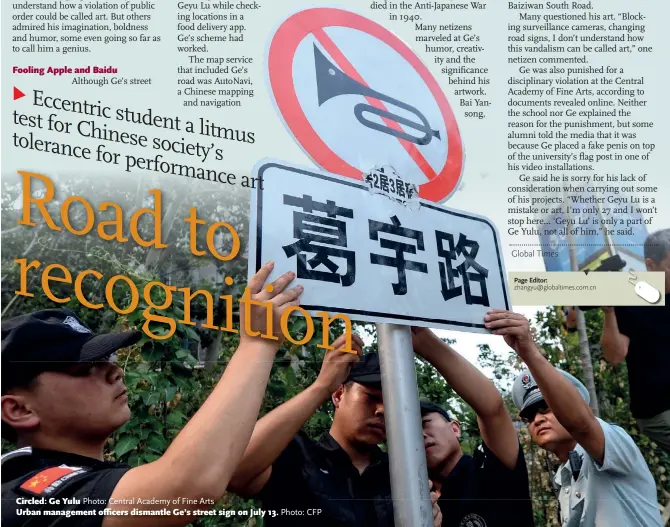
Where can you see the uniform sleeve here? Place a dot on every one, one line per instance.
(513, 483)
(508, 488)
(286, 470)
(621, 453)
(488, 460)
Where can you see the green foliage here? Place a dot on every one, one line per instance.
(168, 380)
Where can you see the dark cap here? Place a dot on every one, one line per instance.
(51, 340)
(366, 370)
(428, 408)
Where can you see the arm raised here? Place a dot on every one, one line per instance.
(475, 389)
(201, 460)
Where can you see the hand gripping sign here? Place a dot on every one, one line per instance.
(354, 95)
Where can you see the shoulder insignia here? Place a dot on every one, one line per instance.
(47, 481)
(25, 451)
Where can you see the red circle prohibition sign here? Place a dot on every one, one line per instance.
(280, 66)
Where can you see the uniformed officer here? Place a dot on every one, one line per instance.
(603, 480)
(487, 489)
(63, 397)
(343, 479)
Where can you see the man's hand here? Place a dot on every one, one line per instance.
(279, 298)
(437, 512)
(514, 328)
(337, 363)
(421, 341)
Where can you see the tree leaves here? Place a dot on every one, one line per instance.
(191, 333)
(153, 353)
(125, 444)
(181, 353)
(156, 443)
(150, 397)
(176, 419)
(170, 392)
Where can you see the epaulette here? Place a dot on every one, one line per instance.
(9, 456)
(14, 462)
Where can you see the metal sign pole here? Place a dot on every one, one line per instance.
(407, 457)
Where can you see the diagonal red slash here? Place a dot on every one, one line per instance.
(349, 69)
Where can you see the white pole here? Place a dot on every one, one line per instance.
(407, 457)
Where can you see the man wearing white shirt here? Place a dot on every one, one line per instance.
(603, 480)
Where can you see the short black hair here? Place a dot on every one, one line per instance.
(428, 407)
(657, 245)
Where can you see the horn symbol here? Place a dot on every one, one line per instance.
(332, 82)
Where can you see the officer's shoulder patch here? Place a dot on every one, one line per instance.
(14, 454)
(48, 481)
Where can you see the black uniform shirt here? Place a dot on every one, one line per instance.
(482, 492)
(317, 484)
(648, 359)
(31, 477)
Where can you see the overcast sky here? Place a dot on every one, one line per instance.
(466, 343)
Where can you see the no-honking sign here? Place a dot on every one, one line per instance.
(354, 96)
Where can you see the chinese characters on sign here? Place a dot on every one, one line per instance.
(400, 248)
(329, 231)
(385, 180)
(468, 249)
(372, 258)
(312, 230)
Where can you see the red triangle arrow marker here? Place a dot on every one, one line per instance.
(18, 93)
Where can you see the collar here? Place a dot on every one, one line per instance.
(328, 443)
(453, 482)
(55, 455)
(563, 476)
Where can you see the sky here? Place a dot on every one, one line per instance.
(466, 343)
